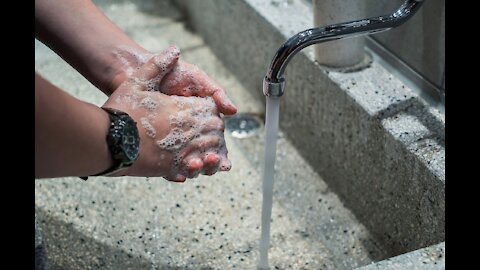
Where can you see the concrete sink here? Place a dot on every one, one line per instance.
(359, 178)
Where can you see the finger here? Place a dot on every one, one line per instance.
(211, 88)
(195, 82)
(224, 104)
(211, 159)
(179, 178)
(159, 65)
(214, 124)
(225, 165)
(194, 167)
(194, 150)
(203, 143)
(212, 162)
(199, 146)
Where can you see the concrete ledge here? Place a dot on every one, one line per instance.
(375, 142)
(429, 258)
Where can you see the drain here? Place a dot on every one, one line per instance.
(243, 125)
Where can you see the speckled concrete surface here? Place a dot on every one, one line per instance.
(206, 223)
(372, 139)
(40, 258)
(429, 258)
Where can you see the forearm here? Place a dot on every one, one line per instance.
(70, 135)
(84, 37)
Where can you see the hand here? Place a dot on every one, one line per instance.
(180, 137)
(188, 80)
(84, 37)
(184, 79)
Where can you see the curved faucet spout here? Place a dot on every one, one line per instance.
(273, 82)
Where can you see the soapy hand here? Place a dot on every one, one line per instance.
(184, 79)
(188, 80)
(180, 136)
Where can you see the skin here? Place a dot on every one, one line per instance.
(84, 37)
(70, 136)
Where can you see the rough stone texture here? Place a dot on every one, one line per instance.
(206, 223)
(375, 142)
(40, 258)
(429, 258)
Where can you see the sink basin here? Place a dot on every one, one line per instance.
(211, 222)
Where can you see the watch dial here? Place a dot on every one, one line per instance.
(130, 140)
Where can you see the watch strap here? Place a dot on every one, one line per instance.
(114, 138)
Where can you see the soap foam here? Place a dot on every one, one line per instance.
(132, 100)
(148, 103)
(182, 81)
(149, 129)
(182, 132)
(130, 58)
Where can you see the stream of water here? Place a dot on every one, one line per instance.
(271, 131)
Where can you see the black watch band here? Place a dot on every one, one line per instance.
(123, 142)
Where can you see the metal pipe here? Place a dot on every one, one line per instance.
(274, 81)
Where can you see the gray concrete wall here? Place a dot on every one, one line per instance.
(371, 138)
(421, 41)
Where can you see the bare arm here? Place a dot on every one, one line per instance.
(84, 37)
(180, 137)
(69, 134)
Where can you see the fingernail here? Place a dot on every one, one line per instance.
(195, 164)
(211, 159)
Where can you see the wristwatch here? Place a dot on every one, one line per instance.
(123, 142)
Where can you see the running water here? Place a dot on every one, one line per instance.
(271, 130)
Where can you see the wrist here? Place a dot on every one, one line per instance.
(123, 142)
(100, 157)
(122, 63)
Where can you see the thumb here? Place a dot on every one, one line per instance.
(159, 65)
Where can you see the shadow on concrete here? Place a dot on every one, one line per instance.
(65, 247)
(40, 258)
(419, 110)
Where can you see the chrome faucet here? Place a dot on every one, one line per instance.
(274, 83)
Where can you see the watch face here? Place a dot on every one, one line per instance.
(130, 140)
(123, 141)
